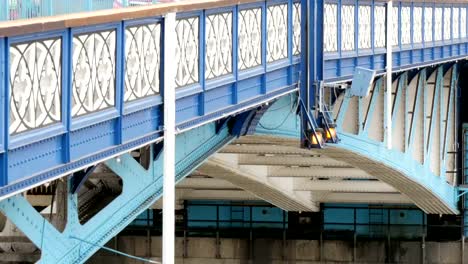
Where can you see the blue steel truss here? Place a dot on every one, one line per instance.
(99, 118)
(141, 188)
(421, 163)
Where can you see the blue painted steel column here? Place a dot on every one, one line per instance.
(3, 111)
(89, 5)
(48, 8)
(4, 10)
(312, 55)
(465, 179)
(304, 78)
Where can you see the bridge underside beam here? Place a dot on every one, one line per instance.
(141, 188)
(421, 163)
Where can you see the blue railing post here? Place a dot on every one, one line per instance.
(48, 8)
(4, 10)
(89, 5)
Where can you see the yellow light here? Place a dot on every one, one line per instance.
(317, 138)
(331, 133)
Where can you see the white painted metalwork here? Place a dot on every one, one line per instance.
(170, 41)
(187, 51)
(277, 32)
(379, 26)
(428, 17)
(438, 24)
(447, 22)
(462, 22)
(456, 23)
(417, 24)
(405, 25)
(142, 61)
(297, 28)
(347, 27)
(94, 56)
(396, 29)
(250, 38)
(330, 38)
(218, 45)
(35, 84)
(364, 27)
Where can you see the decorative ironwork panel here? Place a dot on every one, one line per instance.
(250, 38)
(417, 25)
(331, 28)
(142, 61)
(405, 25)
(187, 31)
(93, 72)
(396, 29)
(297, 28)
(347, 27)
(277, 24)
(380, 26)
(364, 27)
(35, 84)
(456, 23)
(438, 24)
(428, 17)
(447, 22)
(218, 45)
(463, 22)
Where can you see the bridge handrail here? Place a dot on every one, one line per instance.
(44, 24)
(82, 88)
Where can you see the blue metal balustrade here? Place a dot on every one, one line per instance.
(76, 96)
(22, 9)
(354, 34)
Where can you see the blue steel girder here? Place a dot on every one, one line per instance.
(422, 111)
(422, 126)
(425, 33)
(79, 123)
(141, 188)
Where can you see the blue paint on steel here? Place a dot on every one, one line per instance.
(304, 73)
(193, 147)
(24, 9)
(4, 99)
(78, 142)
(339, 66)
(282, 122)
(362, 82)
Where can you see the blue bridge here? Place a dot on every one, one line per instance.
(297, 103)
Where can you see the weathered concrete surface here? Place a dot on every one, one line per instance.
(269, 251)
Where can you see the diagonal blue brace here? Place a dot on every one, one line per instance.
(141, 188)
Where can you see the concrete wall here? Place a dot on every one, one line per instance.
(265, 251)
